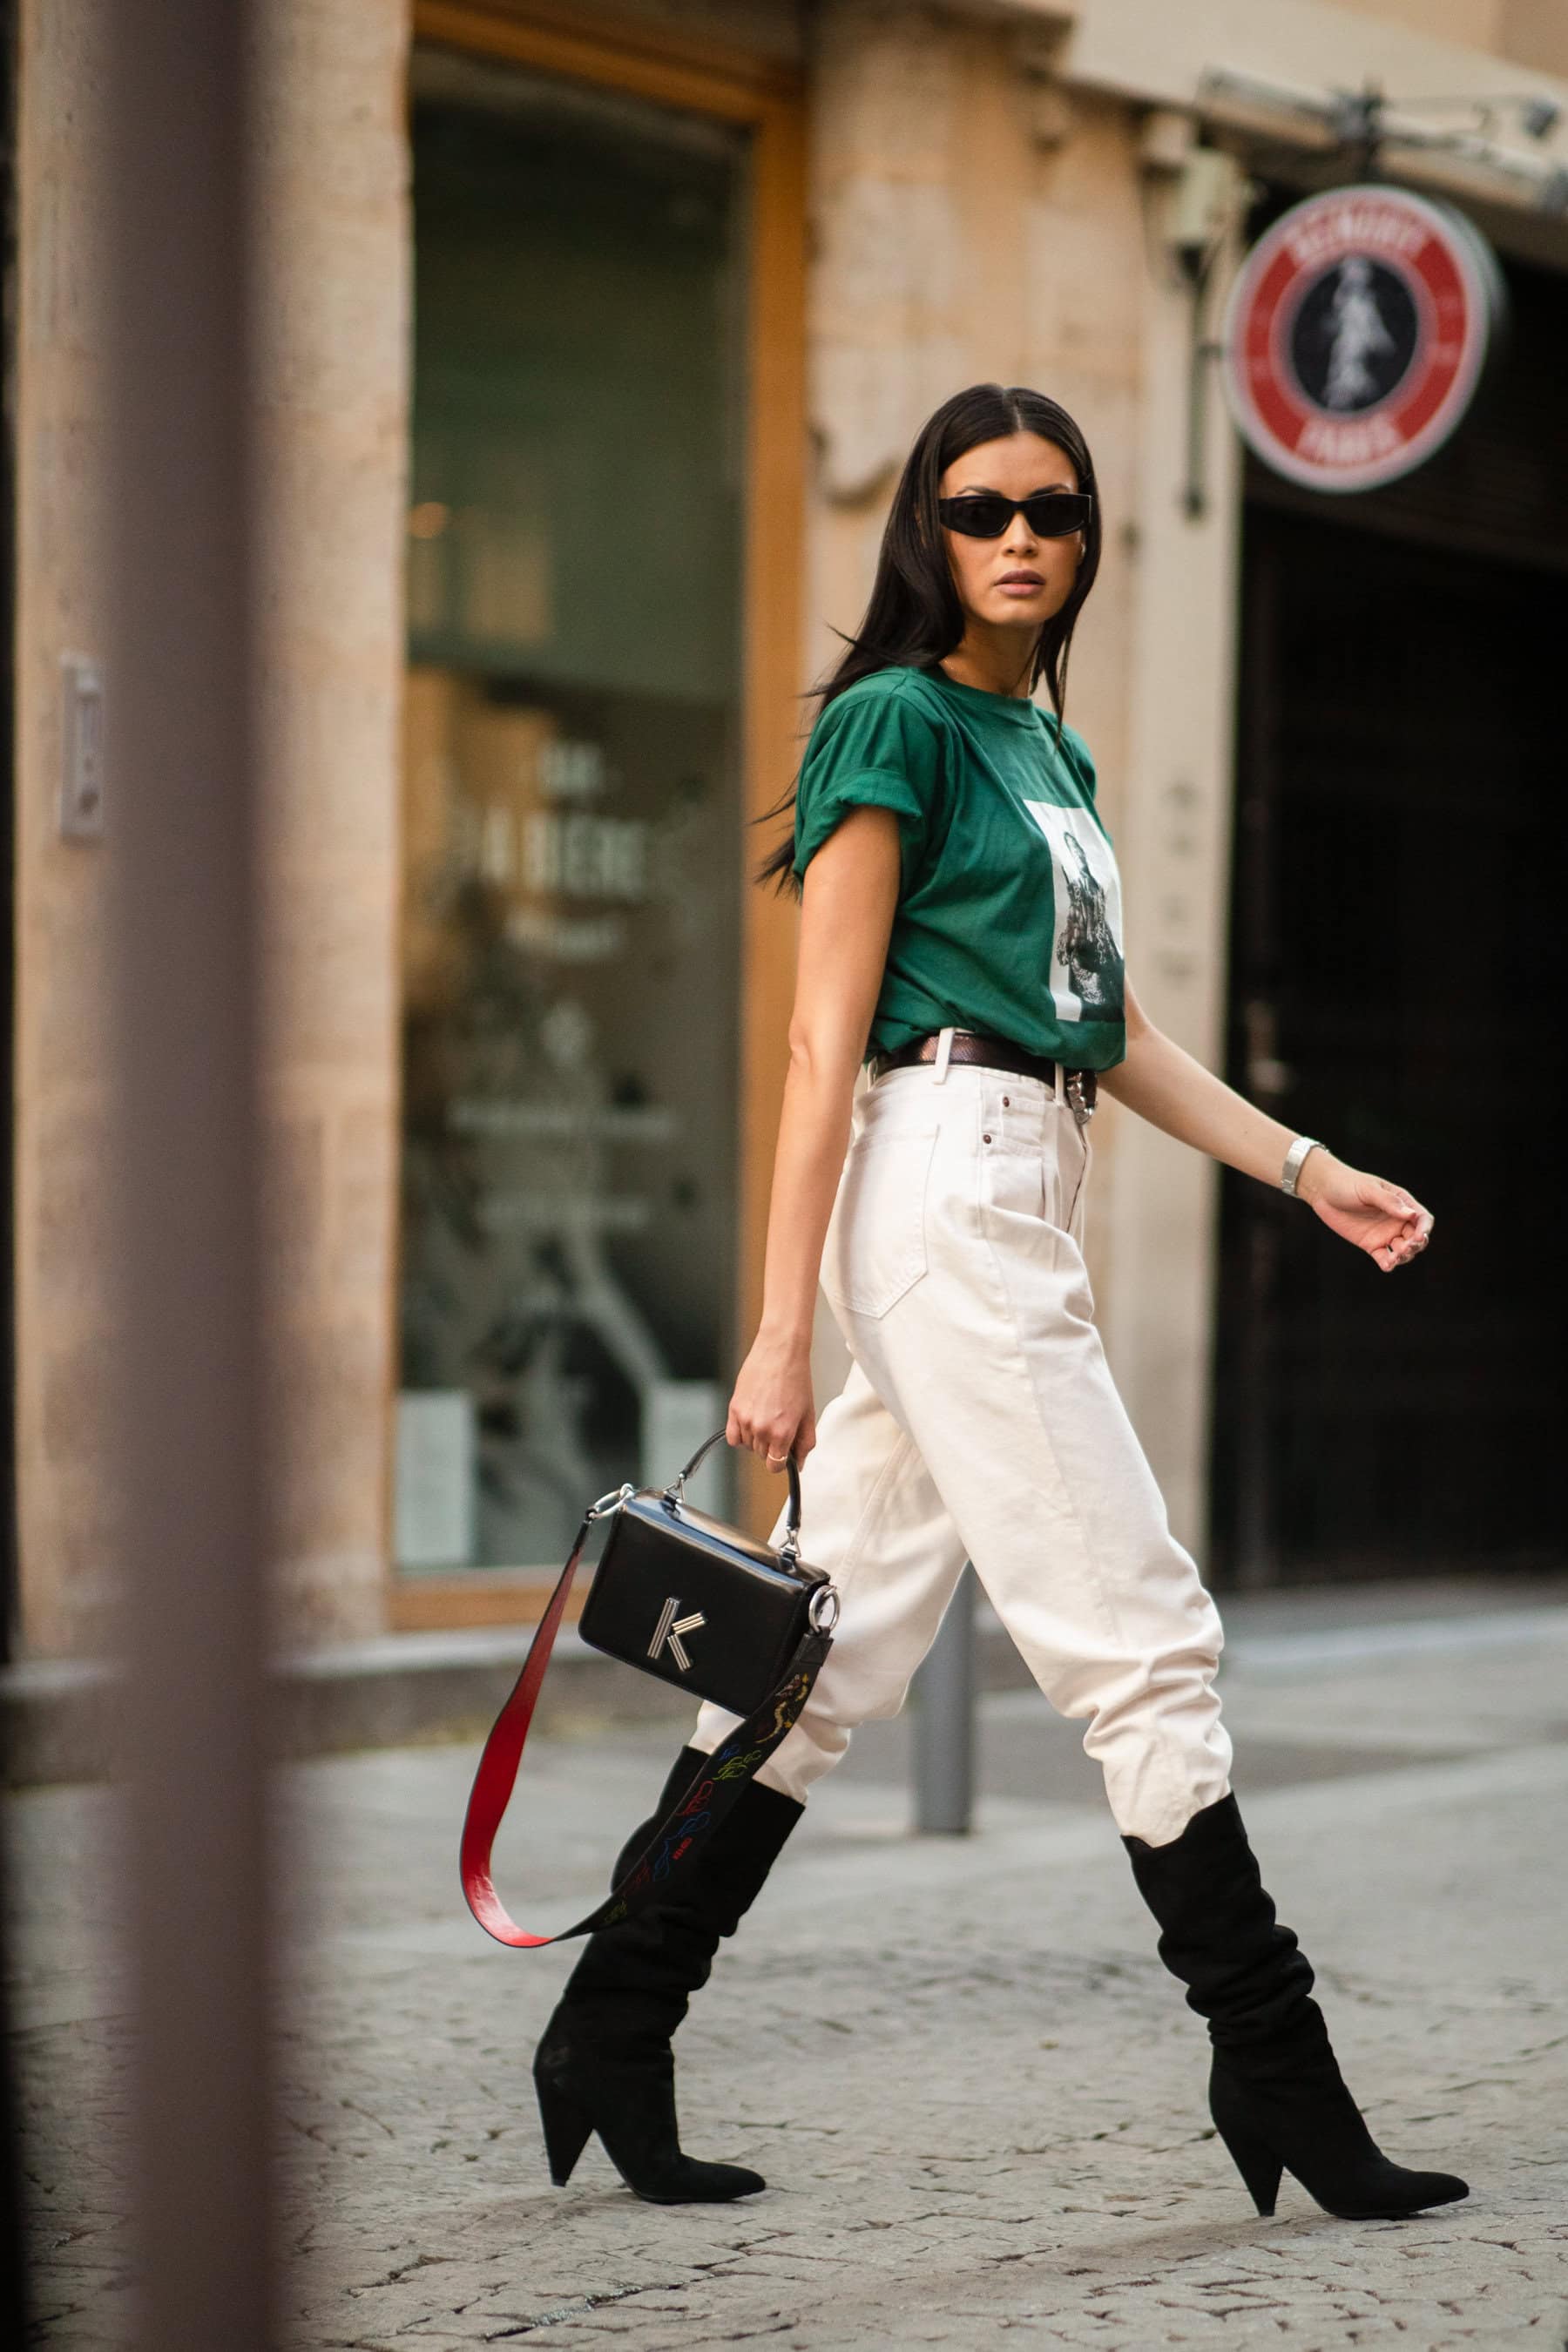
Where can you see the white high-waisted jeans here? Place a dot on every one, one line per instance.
(980, 1421)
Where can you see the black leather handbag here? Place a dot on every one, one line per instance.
(684, 1596)
(694, 1600)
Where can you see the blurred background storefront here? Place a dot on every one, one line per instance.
(572, 811)
(591, 416)
(597, 337)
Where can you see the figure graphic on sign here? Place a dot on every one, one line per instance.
(1087, 945)
(1359, 331)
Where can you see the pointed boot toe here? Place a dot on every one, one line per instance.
(1442, 2188)
(1304, 2121)
(1388, 2193)
(691, 2182)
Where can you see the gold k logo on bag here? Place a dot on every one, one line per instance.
(669, 1630)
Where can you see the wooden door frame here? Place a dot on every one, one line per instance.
(767, 98)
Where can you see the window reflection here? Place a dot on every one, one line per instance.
(572, 843)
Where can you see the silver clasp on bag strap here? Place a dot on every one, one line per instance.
(611, 1501)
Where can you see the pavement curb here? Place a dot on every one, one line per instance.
(59, 1718)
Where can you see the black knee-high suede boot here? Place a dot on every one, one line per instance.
(604, 2063)
(1276, 2093)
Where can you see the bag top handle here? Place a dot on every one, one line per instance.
(789, 1551)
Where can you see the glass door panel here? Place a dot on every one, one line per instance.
(572, 811)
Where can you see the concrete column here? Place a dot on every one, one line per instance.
(333, 393)
(884, 318)
(67, 1539)
(886, 307)
(1156, 1300)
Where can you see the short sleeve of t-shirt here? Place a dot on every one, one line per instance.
(873, 748)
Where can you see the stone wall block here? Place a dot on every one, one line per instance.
(885, 343)
(331, 1443)
(329, 983)
(332, 389)
(74, 1172)
(361, 1242)
(296, 1206)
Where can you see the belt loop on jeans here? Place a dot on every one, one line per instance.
(943, 1048)
(1058, 1086)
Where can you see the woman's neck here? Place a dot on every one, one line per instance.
(998, 661)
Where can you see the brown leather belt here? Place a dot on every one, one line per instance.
(996, 1054)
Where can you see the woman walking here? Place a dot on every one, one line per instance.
(961, 936)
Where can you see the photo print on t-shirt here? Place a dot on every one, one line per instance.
(1086, 970)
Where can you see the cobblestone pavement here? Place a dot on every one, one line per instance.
(977, 2096)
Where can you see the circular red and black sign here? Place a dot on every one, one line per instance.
(1355, 334)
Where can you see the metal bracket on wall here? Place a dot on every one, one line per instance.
(82, 748)
(1206, 196)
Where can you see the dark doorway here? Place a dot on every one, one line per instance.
(1398, 986)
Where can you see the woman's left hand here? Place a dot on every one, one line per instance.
(1381, 1218)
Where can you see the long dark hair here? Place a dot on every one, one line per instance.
(915, 616)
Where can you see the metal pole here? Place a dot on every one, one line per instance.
(183, 1168)
(13, 2315)
(944, 1721)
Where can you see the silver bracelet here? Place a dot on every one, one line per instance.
(1294, 1158)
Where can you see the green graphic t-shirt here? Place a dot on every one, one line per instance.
(1009, 913)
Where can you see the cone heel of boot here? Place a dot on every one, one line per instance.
(1276, 2093)
(566, 2129)
(1260, 2169)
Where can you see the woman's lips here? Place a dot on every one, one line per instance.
(1020, 583)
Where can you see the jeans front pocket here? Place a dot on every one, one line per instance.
(875, 1247)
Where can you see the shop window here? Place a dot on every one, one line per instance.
(572, 811)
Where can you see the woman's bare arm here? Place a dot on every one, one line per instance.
(1164, 1085)
(849, 893)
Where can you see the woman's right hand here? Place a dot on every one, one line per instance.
(772, 1410)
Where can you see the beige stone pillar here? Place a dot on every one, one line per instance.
(885, 308)
(336, 395)
(883, 319)
(1156, 1297)
(333, 388)
(66, 1538)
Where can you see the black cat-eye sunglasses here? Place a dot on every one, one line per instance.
(985, 514)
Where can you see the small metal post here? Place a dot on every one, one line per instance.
(943, 1698)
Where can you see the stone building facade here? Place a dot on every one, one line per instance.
(880, 201)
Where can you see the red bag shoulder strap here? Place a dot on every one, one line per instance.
(684, 1830)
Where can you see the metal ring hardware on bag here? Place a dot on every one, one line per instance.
(822, 1614)
(684, 1831)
